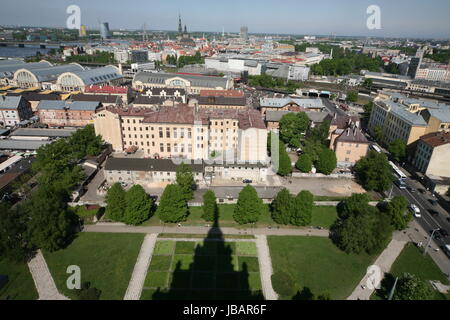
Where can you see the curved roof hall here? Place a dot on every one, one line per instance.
(49, 73)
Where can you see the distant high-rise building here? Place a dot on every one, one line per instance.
(414, 65)
(244, 33)
(104, 30)
(82, 32)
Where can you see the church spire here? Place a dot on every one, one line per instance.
(180, 27)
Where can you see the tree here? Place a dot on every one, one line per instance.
(293, 126)
(139, 205)
(304, 163)
(282, 207)
(14, 240)
(302, 209)
(284, 164)
(327, 161)
(84, 142)
(368, 108)
(368, 83)
(320, 133)
(378, 133)
(115, 203)
(210, 210)
(249, 206)
(352, 96)
(397, 211)
(87, 292)
(360, 227)
(411, 287)
(397, 148)
(185, 179)
(50, 226)
(374, 172)
(172, 206)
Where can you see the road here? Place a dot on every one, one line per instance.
(428, 222)
(332, 107)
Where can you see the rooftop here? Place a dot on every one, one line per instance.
(68, 104)
(436, 139)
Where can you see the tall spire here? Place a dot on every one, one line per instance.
(180, 27)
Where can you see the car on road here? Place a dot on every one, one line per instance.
(447, 250)
(433, 202)
(433, 212)
(436, 235)
(443, 232)
(412, 190)
(415, 210)
(422, 191)
(247, 181)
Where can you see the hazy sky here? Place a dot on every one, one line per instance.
(404, 18)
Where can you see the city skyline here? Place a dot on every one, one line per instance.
(346, 18)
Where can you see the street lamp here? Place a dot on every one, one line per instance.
(429, 241)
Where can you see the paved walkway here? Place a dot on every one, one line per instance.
(265, 267)
(363, 291)
(140, 268)
(43, 280)
(121, 228)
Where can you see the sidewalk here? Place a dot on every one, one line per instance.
(364, 289)
(121, 228)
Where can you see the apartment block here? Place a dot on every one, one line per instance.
(432, 152)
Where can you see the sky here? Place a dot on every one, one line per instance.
(399, 18)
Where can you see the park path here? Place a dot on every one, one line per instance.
(140, 268)
(265, 267)
(122, 228)
(363, 291)
(43, 280)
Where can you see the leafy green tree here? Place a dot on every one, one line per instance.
(360, 227)
(84, 142)
(138, 205)
(327, 161)
(319, 133)
(210, 209)
(115, 203)
(313, 148)
(374, 172)
(14, 241)
(411, 287)
(284, 164)
(185, 179)
(368, 109)
(172, 206)
(87, 292)
(304, 163)
(282, 207)
(397, 210)
(302, 209)
(50, 226)
(249, 206)
(397, 148)
(352, 96)
(378, 133)
(293, 127)
(368, 83)
(353, 205)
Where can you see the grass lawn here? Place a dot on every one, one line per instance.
(20, 285)
(411, 260)
(322, 216)
(105, 259)
(203, 270)
(316, 263)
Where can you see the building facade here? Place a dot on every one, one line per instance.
(432, 154)
(13, 110)
(67, 113)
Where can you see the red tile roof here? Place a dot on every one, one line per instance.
(106, 89)
(221, 93)
(436, 139)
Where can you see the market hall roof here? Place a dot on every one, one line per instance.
(194, 80)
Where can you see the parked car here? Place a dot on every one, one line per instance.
(443, 232)
(433, 202)
(422, 191)
(433, 212)
(247, 181)
(415, 210)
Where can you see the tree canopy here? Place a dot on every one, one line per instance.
(411, 287)
(249, 206)
(185, 179)
(397, 148)
(326, 161)
(293, 127)
(172, 206)
(115, 203)
(210, 209)
(304, 163)
(374, 172)
(397, 210)
(138, 205)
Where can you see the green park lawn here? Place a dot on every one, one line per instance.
(322, 216)
(202, 270)
(20, 285)
(316, 263)
(105, 259)
(411, 260)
